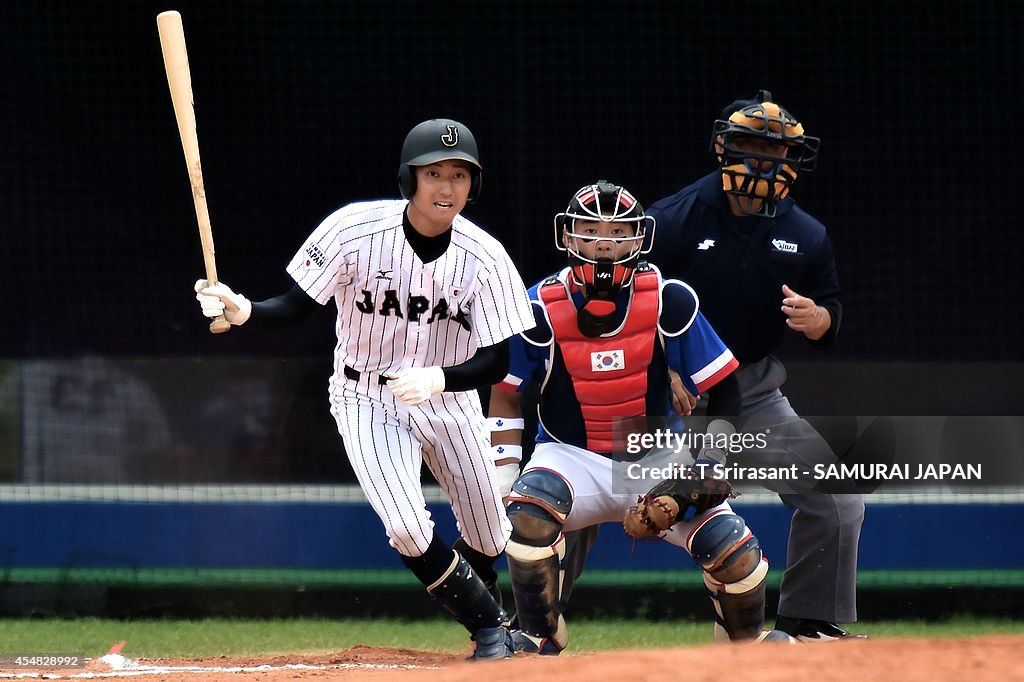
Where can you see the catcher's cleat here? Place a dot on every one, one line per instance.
(492, 644)
(806, 630)
(525, 644)
(776, 637)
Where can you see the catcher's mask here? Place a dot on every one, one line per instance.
(601, 277)
(603, 202)
(759, 176)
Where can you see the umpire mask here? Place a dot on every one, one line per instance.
(742, 138)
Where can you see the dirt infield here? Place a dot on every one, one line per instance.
(907, 660)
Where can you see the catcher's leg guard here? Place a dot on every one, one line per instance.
(538, 506)
(734, 574)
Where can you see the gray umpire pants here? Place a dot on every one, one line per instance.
(820, 580)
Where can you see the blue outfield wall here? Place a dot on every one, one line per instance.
(348, 535)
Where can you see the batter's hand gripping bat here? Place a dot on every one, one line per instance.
(179, 80)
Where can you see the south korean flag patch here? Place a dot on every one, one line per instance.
(607, 360)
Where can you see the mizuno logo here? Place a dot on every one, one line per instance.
(784, 246)
(383, 274)
(705, 245)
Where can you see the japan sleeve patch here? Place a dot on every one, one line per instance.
(315, 258)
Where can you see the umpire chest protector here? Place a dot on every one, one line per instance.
(608, 372)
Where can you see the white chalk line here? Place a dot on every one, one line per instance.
(132, 668)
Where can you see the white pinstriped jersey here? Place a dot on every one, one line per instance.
(394, 311)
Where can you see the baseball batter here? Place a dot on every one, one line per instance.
(426, 304)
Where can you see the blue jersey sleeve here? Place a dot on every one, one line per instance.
(692, 348)
(528, 351)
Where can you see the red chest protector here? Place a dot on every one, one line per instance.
(609, 372)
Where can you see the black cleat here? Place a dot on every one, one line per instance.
(807, 630)
(493, 644)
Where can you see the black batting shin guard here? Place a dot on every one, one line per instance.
(483, 564)
(463, 594)
(451, 581)
(535, 576)
(480, 562)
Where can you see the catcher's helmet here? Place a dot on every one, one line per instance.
(760, 175)
(603, 202)
(437, 140)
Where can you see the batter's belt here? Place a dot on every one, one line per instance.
(354, 375)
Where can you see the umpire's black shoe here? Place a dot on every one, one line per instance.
(807, 630)
(493, 644)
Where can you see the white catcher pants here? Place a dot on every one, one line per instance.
(603, 490)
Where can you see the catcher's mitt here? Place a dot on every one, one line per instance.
(671, 501)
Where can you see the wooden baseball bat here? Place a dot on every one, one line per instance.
(179, 80)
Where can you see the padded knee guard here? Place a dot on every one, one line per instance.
(545, 489)
(539, 503)
(734, 574)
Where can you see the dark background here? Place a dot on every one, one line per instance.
(302, 107)
(108, 373)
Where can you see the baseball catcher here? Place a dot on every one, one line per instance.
(608, 330)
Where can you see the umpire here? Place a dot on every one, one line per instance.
(761, 265)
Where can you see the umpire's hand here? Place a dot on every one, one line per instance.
(804, 315)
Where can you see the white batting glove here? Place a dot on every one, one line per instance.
(219, 300)
(414, 385)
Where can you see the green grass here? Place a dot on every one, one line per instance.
(399, 577)
(204, 638)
